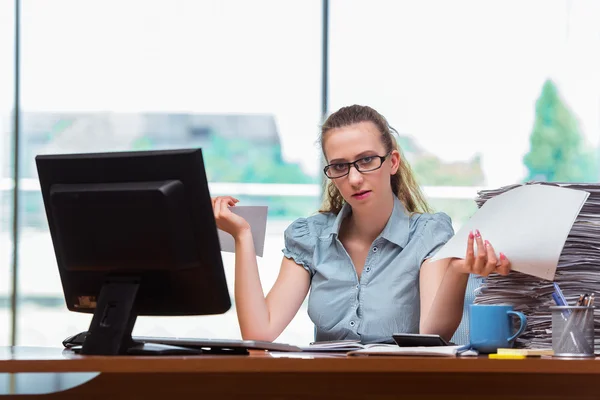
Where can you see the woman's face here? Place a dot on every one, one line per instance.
(355, 142)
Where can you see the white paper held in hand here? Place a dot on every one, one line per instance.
(257, 218)
(529, 224)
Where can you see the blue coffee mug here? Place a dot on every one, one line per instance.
(491, 327)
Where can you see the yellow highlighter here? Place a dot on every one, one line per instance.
(507, 356)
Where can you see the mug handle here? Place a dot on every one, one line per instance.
(522, 326)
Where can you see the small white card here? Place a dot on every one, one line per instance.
(257, 218)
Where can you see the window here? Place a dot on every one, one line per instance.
(7, 79)
(461, 82)
(154, 75)
(472, 88)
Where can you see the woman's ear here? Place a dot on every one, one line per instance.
(395, 161)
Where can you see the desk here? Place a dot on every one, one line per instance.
(265, 376)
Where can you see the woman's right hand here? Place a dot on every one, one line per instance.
(226, 220)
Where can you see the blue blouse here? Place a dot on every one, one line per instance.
(386, 298)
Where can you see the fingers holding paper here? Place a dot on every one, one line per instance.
(230, 200)
(226, 220)
(482, 261)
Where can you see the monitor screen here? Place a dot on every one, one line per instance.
(134, 234)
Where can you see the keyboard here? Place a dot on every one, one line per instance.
(215, 344)
(229, 346)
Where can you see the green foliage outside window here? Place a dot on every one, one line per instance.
(243, 160)
(558, 152)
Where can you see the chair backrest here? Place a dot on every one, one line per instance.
(461, 336)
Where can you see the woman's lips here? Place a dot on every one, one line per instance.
(362, 195)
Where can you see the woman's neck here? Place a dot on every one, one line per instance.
(368, 223)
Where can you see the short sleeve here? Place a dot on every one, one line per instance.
(300, 244)
(437, 230)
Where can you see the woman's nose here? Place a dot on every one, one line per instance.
(354, 176)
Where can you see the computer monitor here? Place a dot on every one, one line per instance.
(134, 234)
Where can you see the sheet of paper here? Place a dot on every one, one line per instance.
(529, 224)
(257, 218)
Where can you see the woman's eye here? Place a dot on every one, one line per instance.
(339, 167)
(366, 160)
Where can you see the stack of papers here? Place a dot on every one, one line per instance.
(577, 269)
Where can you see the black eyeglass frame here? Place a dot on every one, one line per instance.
(355, 163)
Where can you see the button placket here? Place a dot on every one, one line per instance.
(372, 258)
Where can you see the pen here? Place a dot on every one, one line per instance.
(560, 295)
(572, 328)
(559, 302)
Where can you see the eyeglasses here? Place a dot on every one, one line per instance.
(365, 164)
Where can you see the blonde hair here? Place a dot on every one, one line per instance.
(403, 182)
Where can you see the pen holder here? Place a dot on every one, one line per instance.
(573, 331)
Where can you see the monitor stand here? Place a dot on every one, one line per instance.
(113, 321)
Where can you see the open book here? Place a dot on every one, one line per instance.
(355, 348)
(343, 346)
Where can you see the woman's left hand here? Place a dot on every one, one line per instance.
(485, 262)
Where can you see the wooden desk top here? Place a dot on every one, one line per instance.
(38, 359)
(292, 375)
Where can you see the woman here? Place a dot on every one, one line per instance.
(365, 255)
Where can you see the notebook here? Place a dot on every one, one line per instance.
(437, 351)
